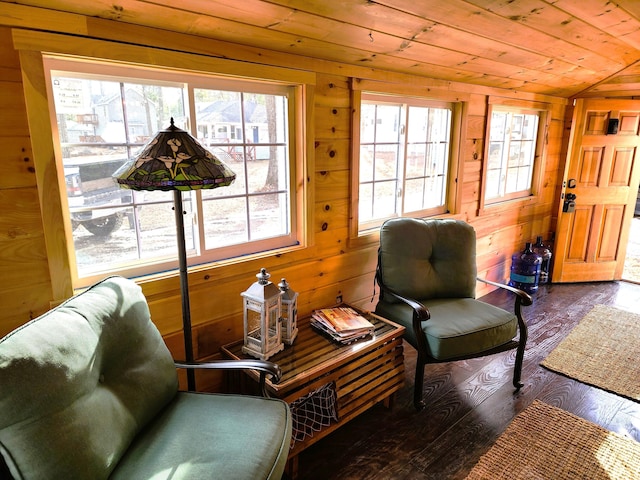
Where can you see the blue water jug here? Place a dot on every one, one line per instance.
(525, 270)
(545, 252)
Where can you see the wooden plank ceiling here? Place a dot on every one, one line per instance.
(563, 48)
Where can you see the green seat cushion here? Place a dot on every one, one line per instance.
(237, 437)
(458, 326)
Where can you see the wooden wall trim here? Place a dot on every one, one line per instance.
(33, 79)
(436, 89)
(145, 56)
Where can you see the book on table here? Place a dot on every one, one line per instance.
(342, 324)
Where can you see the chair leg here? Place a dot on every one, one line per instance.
(522, 342)
(418, 402)
(517, 368)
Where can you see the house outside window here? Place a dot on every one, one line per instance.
(515, 146)
(404, 158)
(103, 116)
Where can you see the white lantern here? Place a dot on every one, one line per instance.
(262, 329)
(289, 312)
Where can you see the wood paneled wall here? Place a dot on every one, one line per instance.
(25, 284)
(333, 265)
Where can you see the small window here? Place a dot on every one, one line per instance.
(513, 153)
(104, 114)
(404, 158)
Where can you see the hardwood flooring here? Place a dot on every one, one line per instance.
(470, 403)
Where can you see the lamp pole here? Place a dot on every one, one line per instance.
(184, 288)
(174, 160)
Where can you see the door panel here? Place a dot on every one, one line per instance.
(629, 123)
(596, 122)
(589, 164)
(581, 222)
(622, 165)
(602, 172)
(610, 233)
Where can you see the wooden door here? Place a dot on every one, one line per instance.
(602, 172)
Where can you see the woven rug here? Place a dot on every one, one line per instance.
(547, 443)
(602, 350)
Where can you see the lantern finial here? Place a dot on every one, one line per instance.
(263, 276)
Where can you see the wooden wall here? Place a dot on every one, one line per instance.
(333, 265)
(25, 284)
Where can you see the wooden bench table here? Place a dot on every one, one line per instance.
(363, 373)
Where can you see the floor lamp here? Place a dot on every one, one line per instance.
(174, 160)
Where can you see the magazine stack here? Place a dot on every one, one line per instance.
(342, 324)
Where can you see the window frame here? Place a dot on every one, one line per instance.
(394, 93)
(33, 47)
(188, 83)
(543, 111)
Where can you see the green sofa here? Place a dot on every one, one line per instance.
(90, 391)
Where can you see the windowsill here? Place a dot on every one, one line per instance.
(364, 239)
(210, 271)
(505, 205)
(372, 237)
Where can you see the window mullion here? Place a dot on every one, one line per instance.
(504, 167)
(402, 158)
(197, 210)
(246, 170)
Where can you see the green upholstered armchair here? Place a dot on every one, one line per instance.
(90, 391)
(427, 276)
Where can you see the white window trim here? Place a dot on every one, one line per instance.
(544, 112)
(396, 93)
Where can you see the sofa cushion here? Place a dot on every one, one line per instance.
(230, 437)
(84, 379)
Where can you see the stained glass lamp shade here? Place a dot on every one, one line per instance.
(174, 160)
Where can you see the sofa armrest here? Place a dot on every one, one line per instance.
(264, 367)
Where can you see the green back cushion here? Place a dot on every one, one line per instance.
(80, 381)
(428, 258)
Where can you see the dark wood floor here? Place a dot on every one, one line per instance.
(469, 404)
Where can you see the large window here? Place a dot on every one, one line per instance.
(513, 152)
(104, 114)
(404, 158)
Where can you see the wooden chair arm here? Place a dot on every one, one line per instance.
(264, 367)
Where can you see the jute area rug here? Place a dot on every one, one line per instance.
(545, 442)
(602, 350)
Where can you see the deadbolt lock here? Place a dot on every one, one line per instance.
(569, 205)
